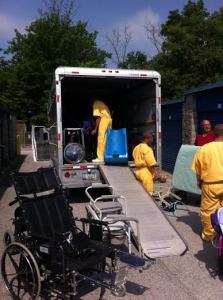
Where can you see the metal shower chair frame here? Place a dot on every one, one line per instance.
(114, 217)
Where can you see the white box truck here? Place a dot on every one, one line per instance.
(134, 98)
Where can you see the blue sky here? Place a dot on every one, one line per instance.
(101, 15)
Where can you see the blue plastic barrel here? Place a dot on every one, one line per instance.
(116, 147)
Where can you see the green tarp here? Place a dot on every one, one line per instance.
(184, 178)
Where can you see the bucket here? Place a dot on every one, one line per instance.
(118, 235)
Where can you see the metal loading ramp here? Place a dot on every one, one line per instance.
(158, 236)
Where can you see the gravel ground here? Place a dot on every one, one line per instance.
(188, 277)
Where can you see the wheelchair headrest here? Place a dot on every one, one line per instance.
(44, 179)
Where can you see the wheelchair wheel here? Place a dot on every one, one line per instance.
(20, 272)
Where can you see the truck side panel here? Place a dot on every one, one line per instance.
(59, 125)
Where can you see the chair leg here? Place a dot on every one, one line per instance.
(114, 260)
(73, 287)
(102, 293)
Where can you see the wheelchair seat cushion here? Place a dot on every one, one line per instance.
(96, 253)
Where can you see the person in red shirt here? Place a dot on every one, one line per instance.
(207, 134)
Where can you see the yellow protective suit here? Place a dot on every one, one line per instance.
(144, 159)
(101, 110)
(208, 165)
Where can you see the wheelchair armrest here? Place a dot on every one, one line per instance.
(108, 197)
(92, 221)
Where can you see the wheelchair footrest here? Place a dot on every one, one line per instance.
(136, 261)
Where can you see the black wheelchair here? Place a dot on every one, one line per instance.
(48, 255)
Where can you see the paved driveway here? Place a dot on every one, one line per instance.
(191, 276)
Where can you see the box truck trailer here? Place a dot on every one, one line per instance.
(134, 98)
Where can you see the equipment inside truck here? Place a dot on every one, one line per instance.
(131, 102)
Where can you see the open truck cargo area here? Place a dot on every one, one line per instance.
(133, 97)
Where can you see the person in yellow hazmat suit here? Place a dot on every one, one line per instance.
(208, 166)
(103, 121)
(146, 165)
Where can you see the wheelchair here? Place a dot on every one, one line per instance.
(50, 252)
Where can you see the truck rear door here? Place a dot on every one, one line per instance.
(40, 143)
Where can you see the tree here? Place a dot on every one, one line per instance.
(50, 41)
(4, 79)
(192, 51)
(66, 9)
(119, 41)
(135, 60)
(153, 34)
(189, 49)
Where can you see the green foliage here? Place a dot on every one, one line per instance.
(40, 119)
(192, 51)
(50, 41)
(4, 78)
(135, 60)
(191, 55)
